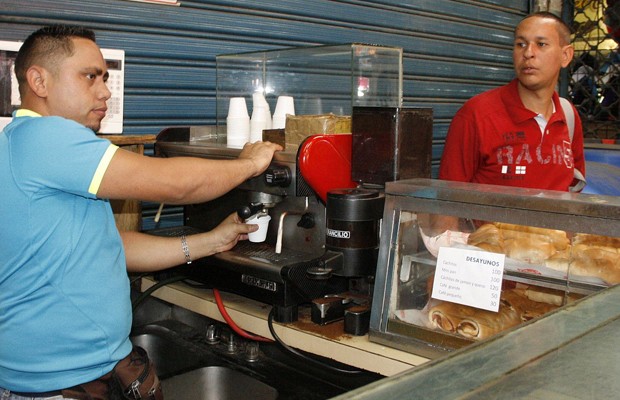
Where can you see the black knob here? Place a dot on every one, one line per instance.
(278, 176)
(306, 221)
(318, 273)
(245, 212)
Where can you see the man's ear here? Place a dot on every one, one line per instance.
(37, 80)
(567, 55)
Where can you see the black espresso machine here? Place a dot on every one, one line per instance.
(325, 198)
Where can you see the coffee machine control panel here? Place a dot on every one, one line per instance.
(278, 175)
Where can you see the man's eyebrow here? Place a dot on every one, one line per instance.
(95, 70)
(536, 38)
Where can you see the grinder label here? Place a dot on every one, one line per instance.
(259, 283)
(338, 234)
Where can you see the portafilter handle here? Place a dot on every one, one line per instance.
(247, 211)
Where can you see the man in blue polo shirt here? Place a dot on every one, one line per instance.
(65, 311)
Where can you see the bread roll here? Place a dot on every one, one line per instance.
(543, 295)
(483, 324)
(470, 322)
(590, 255)
(528, 250)
(559, 261)
(557, 237)
(526, 306)
(596, 262)
(488, 237)
(474, 323)
(597, 241)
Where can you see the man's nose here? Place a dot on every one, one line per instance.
(105, 92)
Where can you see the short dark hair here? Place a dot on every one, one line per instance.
(47, 46)
(564, 30)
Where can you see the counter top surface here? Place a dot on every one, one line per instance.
(125, 140)
(328, 341)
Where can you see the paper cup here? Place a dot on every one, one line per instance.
(263, 224)
(258, 99)
(285, 105)
(258, 123)
(236, 142)
(279, 121)
(237, 108)
(237, 131)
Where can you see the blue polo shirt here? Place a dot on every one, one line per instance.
(65, 310)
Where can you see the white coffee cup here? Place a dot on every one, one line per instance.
(237, 131)
(262, 220)
(261, 117)
(237, 123)
(258, 99)
(237, 107)
(285, 105)
(260, 120)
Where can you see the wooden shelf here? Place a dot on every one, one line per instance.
(128, 213)
(328, 341)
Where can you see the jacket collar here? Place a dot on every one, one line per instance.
(518, 112)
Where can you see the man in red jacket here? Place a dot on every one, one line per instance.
(518, 134)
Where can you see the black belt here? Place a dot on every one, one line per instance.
(38, 394)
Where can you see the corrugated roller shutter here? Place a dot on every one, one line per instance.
(452, 49)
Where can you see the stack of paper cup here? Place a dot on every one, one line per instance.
(261, 117)
(285, 105)
(237, 123)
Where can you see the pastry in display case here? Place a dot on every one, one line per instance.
(461, 262)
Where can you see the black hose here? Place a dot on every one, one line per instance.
(136, 302)
(286, 347)
(301, 355)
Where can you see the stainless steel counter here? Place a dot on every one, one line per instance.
(570, 354)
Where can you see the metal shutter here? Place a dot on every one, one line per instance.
(452, 49)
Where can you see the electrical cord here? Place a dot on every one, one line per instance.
(137, 278)
(238, 330)
(231, 323)
(303, 356)
(153, 288)
(218, 300)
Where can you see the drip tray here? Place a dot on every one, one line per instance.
(245, 252)
(262, 254)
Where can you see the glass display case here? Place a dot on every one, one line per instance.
(567, 355)
(461, 262)
(321, 79)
